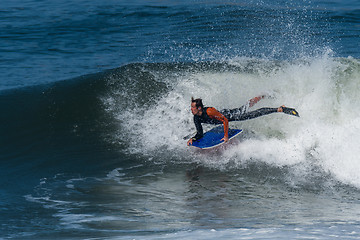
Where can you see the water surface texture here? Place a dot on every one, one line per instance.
(95, 102)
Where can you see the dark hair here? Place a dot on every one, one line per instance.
(198, 102)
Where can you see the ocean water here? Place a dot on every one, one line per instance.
(95, 102)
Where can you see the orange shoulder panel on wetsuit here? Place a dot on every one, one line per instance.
(213, 113)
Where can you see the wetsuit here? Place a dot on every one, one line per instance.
(212, 116)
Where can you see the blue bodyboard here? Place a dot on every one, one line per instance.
(213, 137)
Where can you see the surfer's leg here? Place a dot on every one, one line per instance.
(232, 113)
(244, 108)
(254, 114)
(236, 115)
(254, 100)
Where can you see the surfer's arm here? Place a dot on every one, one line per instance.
(213, 113)
(199, 130)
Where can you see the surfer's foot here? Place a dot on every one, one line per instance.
(290, 111)
(254, 100)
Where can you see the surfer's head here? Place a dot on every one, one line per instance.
(196, 106)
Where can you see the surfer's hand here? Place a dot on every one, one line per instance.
(225, 139)
(190, 142)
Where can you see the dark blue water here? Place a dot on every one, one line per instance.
(37, 36)
(94, 106)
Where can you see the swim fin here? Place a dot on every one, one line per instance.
(290, 111)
